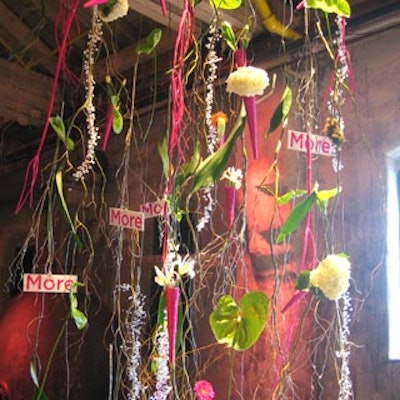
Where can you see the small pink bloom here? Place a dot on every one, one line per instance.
(204, 390)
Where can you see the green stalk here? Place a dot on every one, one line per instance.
(231, 365)
(50, 360)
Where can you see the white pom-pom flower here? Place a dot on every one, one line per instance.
(247, 81)
(332, 276)
(113, 10)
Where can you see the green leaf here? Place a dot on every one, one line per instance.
(150, 43)
(118, 121)
(228, 35)
(78, 316)
(59, 184)
(303, 280)
(212, 167)
(226, 4)
(40, 395)
(282, 111)
(296, 217)
(163, 152)
(33, 372)
(339, 7)
(59, 128)
(290, 195)
(188, 168)
(239, 326)
(324, 195)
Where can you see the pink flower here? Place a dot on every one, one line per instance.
(204, 390)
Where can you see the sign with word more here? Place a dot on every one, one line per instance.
(301, 141)
(48, 283)
(127, 219)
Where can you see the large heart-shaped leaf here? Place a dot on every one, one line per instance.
(239, 327)
(339, 7)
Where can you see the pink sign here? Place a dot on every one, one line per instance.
(155, 209)
(48, 283)
(301, 141)
(127, 219)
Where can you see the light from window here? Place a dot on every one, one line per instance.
(393, 253)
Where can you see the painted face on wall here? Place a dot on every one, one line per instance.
(264, 220)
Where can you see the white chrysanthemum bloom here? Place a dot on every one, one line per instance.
(113, 10)
(247, 81)
(234, 176)
(332, 276)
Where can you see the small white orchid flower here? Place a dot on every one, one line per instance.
(186, 267)
(164, 278)
(234, 177)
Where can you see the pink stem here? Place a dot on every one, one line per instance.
(182, 43)
(163, 7)
(240, 57)
(250, 105)
(92, 3)
(295, 298)
(107, 127)
(172, 303)
(33, 166)
(251, 112)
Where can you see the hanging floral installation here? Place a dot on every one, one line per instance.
(204, 304)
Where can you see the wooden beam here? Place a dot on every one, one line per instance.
(126, 58)
(203, 13)
(20, 32)
(24, 94)
(152, 10)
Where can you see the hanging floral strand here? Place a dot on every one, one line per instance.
(135, 323)
(212, 133)
(211, 61)
(345, 382)
(163, 384)
(93, 131)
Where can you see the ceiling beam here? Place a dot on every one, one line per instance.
(20, 33)
(203, 13)
(24, 94)
(126, 58)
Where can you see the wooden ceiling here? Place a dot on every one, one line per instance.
(28, 50)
